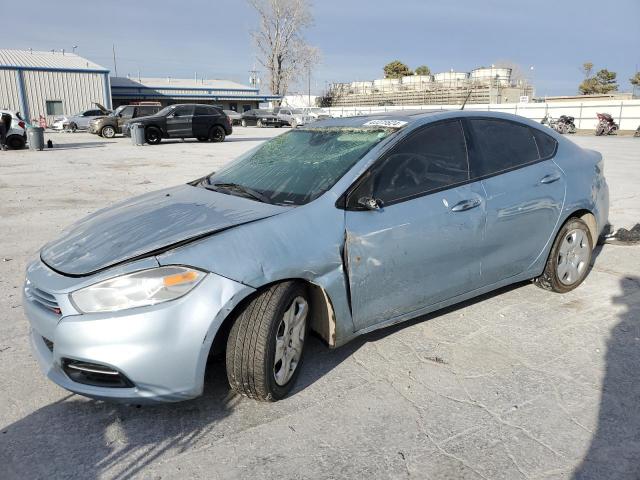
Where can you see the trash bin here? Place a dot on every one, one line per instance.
(137, 134)
(35, 137)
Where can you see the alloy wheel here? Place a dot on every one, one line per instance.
(290, 338)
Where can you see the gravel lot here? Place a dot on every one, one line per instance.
(520, 383)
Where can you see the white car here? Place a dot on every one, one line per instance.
(78, 121)
(17, 134)
(294, 117)
(316, 113)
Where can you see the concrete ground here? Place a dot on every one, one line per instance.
(521, 383)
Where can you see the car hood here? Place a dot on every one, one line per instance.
(147, 225)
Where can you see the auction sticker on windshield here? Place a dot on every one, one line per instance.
(385, 123)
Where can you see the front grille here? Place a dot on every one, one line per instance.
(42, 298)
(94, 374)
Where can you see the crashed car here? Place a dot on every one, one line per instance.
(80, 120)
(341, 227)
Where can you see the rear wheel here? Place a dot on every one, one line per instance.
(15, 142)
(568, 262)
(152, 135)
(217, 134)
(265, 344)
(108, 132)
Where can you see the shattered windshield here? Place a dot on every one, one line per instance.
(299, 166)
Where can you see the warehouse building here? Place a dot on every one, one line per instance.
(167, 91)
(48, 84)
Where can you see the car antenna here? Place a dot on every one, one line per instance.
(465, 100)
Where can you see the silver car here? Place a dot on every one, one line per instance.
(343, 227)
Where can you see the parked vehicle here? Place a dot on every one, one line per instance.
(343, 227)
(261, 118)
(316, 113)
(204, 122)
(17, 134)
(235, 117)
(293, 117)
(79, 121)
(606, 125)
(565, 124)
(111, 125)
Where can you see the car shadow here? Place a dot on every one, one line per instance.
(77, 146)
(615, 446)
(80, 438)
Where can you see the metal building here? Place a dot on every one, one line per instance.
(167, 91)
(49, 84)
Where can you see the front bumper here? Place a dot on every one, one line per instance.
(162, 349)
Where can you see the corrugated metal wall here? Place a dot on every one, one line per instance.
(9, 98)
(76, 90)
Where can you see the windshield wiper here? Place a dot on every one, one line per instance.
(242, 189)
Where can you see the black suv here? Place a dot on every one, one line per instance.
(204, 122)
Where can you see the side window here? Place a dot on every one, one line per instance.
(202, 110)
(432, 158)
(502, 145)
(144, 111)
(127, 112)
(184, 111)
(546, 144)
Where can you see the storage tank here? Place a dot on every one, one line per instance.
(485, 74)
(450, 77)
(386, 84)
(416, 79)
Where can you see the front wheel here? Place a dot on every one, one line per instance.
(265, 344)
(108, 132)
(73, 127)
(568, 262)
(259, 124)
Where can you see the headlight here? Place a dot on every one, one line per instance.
(138, 289)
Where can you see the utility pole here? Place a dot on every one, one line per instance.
(115, 65)
(309, 87)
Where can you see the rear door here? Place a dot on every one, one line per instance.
(423, 245)
(179, 122)
(525, 192)
(203, 119)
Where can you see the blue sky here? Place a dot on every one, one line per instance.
(356, 37)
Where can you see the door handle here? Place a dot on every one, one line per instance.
(465, 205)
(552, 177)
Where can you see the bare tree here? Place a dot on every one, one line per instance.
(282, 50)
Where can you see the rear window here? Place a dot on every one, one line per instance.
(546, 144)
(202, 110)
(502, 145)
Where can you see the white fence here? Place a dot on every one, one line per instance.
(625, 112)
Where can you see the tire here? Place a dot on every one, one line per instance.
(108, 132)
(613, 130)
(294, 124)
(569, 259)
(73, 127)
(259, 124)
(260, 339)
(152, 135)
(599, 130)
(217, 134)
(243, 122)
(15, 142)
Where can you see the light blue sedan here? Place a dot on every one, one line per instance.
(342, 227)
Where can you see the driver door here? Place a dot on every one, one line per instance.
(421, 244)
(180, 122)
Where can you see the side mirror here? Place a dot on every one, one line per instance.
(370, 203)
